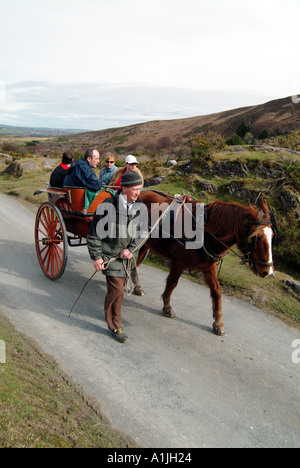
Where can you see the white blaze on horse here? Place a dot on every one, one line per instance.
(227, 224)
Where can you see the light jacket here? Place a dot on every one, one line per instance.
(112, 218)
(106, 174)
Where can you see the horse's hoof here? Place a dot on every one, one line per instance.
(168, 313)
(139, 292)
(219, 330)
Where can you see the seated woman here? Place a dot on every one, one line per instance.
(107, 173)
(59, 173)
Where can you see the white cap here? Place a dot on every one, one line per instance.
(130, 159)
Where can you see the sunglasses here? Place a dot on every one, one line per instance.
(109, 162)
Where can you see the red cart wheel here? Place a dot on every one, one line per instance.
(51, 241)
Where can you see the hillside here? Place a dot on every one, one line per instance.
(278, 116)
(35, 131)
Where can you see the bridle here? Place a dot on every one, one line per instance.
(251, 240)
(250, 244)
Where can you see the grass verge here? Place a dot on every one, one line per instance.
(41, 407)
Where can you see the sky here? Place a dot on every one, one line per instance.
(96, 64)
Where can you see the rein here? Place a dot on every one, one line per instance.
(244, 258)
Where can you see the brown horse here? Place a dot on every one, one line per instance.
(227, 224)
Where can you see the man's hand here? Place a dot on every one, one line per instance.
(99, 265)
(126, 254)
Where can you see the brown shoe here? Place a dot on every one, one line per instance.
(119, 335)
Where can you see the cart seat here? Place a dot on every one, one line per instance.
(77, 199)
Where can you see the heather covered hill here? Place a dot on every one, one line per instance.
(274, 117)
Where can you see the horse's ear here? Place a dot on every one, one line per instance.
(252, 212)
(264, 207)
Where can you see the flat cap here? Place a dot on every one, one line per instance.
(131, 179)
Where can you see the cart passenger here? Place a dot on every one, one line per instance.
(130, 165)
(117, 246)
(82, 174)
(59, 173)
(107, 173)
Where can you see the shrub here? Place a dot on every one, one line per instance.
(264, 134)
(288, 252)
(234, 140)
(243, 129)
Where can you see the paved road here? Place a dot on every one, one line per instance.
(174, 383)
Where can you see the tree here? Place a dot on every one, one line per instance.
(235, 140)
(243, 128)
(264, 134)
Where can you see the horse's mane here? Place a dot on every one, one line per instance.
(225, 219)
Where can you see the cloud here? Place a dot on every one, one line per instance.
(94, 106)
(104, 63)
(2, 92)
(172, 43)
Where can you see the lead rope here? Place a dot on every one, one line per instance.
(82, 292)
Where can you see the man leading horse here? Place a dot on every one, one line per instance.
(114, 235)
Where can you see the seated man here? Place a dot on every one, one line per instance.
(81, 173)
(59, 173)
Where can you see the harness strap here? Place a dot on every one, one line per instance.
(244, 258)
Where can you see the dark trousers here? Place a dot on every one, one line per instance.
(113, 301)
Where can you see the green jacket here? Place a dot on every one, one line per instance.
(113, 230)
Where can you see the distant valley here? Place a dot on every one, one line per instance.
(35, 131)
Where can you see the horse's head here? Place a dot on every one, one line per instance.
(258, 240)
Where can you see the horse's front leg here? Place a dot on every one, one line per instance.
(211, 278)
(135, 273)
(172, 281)
(135, 278)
